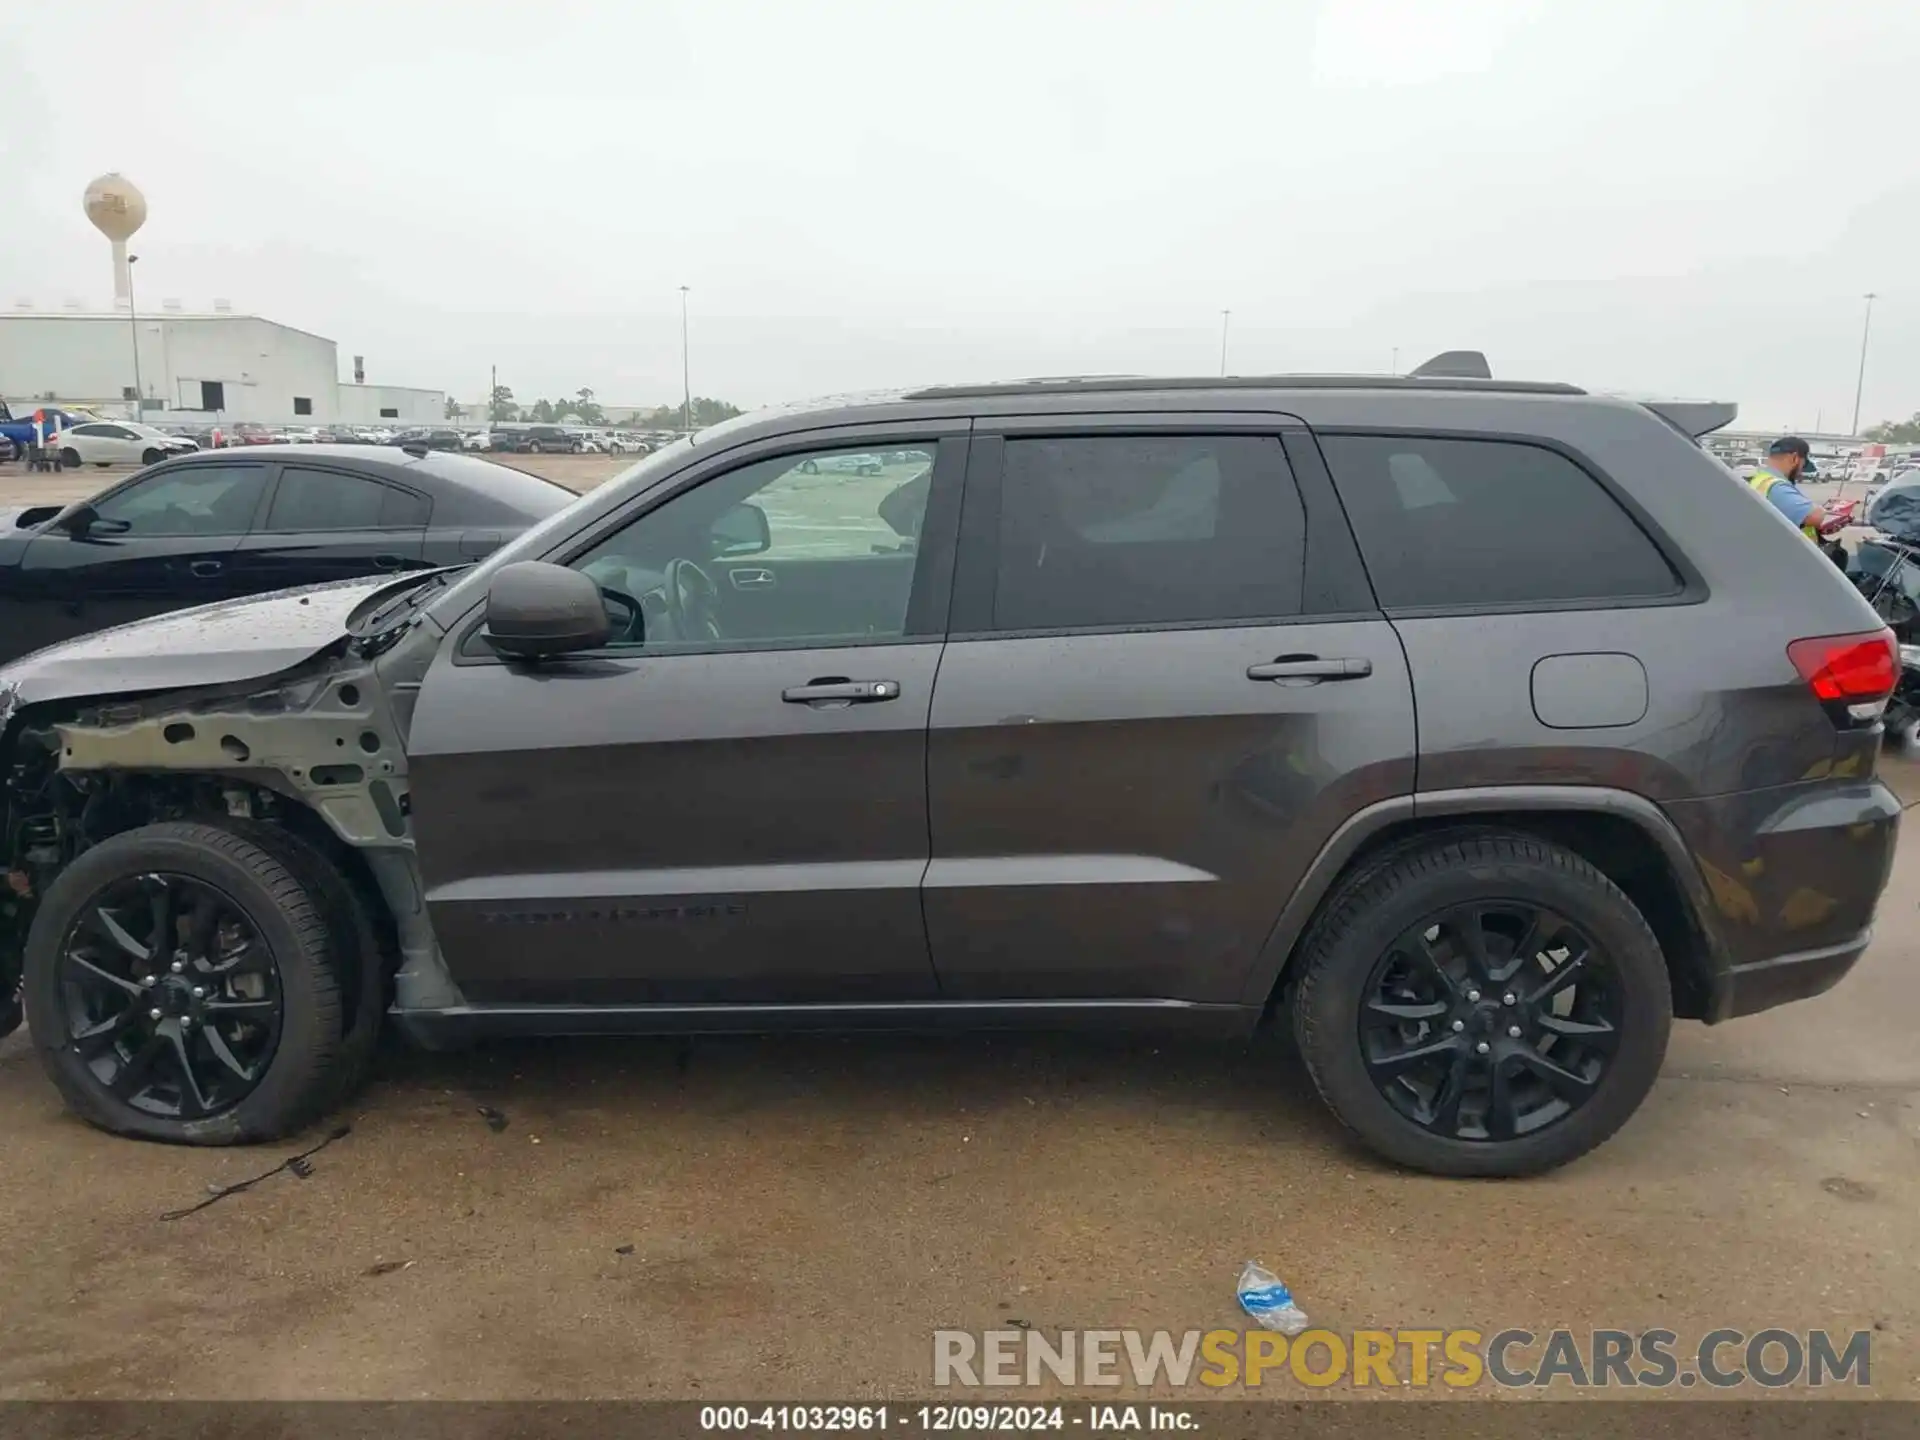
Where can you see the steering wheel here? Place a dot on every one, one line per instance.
(627, 631)
(691, 600)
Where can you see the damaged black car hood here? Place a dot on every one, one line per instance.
(217, 644)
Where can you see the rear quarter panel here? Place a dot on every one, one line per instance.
(1780, 809)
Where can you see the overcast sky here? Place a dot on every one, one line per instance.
(1677, 196)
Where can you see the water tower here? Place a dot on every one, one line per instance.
(117, 208)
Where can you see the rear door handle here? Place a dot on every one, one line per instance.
(841, 692)
(1311, 667)
(205, 568)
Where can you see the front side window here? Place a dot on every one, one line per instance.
(193, 500)
(1446, 522)
(818, 548)
(1118, 530)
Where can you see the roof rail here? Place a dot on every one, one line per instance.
(1104, 384)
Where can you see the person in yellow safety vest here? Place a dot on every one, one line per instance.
(1788, 462)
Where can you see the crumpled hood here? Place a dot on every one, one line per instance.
(218, 644)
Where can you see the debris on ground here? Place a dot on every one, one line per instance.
(1847, 1189)
(496, 1121)
(1265, 1297)
(623, 1249)
(300, 1165)
(388, 1267)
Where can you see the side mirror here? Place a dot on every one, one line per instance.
(535, 609)
(741, 531)
(78, 519)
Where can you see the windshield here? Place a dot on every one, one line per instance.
(535, 543)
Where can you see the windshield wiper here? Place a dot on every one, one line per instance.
(402, 607)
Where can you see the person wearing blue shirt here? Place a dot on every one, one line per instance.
(1788, 462)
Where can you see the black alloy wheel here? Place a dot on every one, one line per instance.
(1481, 1002)
(1490, 1020)
(184, 984)
(171, 996)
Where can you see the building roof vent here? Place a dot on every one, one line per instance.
(71, 304)
(172, 307)
(222, 307)
(23, 304)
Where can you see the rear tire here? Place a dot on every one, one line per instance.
(291, 1085)
(1347, 968)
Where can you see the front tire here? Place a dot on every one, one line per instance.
(152, 457)
(180, 987)
(70, 458)
(1419, 971)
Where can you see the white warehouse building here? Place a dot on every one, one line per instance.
(206, 368)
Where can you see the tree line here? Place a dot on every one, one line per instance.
(1897, 432)
(584, 409)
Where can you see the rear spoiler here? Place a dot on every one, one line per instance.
(1454, 365)
(1695, 417)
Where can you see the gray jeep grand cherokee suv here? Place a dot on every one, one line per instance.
(1482, 727)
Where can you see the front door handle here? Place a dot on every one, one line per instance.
(838, 692)
(206, 568)
(1311, 667)
(753, 579)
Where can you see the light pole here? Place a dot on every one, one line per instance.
(1394, 369)
(686, 375)
(1860, 382)
(133, 322)
(1226, 318)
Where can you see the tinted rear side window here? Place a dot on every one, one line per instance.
(1488, 522)
(402, 510)
(1142, 530)
(325, 500)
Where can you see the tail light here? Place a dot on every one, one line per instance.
(1851, 675)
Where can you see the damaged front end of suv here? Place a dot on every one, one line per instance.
(295, 748)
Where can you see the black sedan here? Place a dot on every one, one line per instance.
(227, 523)
(433, 439)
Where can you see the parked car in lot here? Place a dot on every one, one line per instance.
(225, 524)
(505, 438)
(245, 432)
(1105, 715)
(549, 440)
(624, 442)
(117, 442)
(431, 438)
(860, 464)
